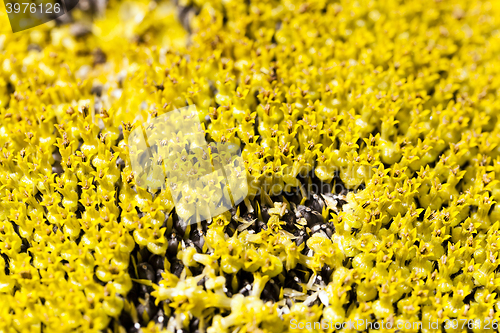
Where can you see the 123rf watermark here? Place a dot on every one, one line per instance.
(361, 324)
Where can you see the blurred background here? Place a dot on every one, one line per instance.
(116, 18)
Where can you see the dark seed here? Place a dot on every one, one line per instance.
(261, 226)
(177, 267)
(144, 290)
(120, 138)
(180, 226)
(245, 291)
(266, 295)
(271, 291)
(316, 203)
(25, 245)
(198, 239)
(146, 271)
(120, 162)
(329, 232)
(229, 292)
(275, 289)
(96, 90)
(159, 276)
(57, 155)
(57, 168)
(159, 318)
(316, 228)
(265, 213)
(34, 47)
(186, 15)
(231, 227)
(290, 219)
(148, 307)
(202, 281)
(99, 56)
(312, 217)
(157, 262)
(79, 30)
(194, 324)
(326, 272)
(300, 238)
(127, 321)
(291, 281)
(173, 244)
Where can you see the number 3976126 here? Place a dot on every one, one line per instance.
(27, 7)
(464, 323)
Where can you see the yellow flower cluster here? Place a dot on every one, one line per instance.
(394, 102)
